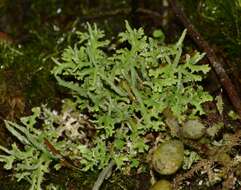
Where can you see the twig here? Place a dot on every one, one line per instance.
(107, 14)
(122, 12)
(215, 62)
(103, 174)
(64, 160)
(149, 12)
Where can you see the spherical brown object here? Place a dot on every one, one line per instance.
(161, 185)
(168, 157)
(193, 129)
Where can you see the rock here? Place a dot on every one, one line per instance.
(161, 185)
(193, 129)
(168, 157)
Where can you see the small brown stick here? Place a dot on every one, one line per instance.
(64, 161)
(215, 62)
(149, 12)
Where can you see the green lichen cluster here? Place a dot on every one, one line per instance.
(118, 99)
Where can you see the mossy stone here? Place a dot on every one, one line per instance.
(161, 185)
(193, 129)
(168, 157)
